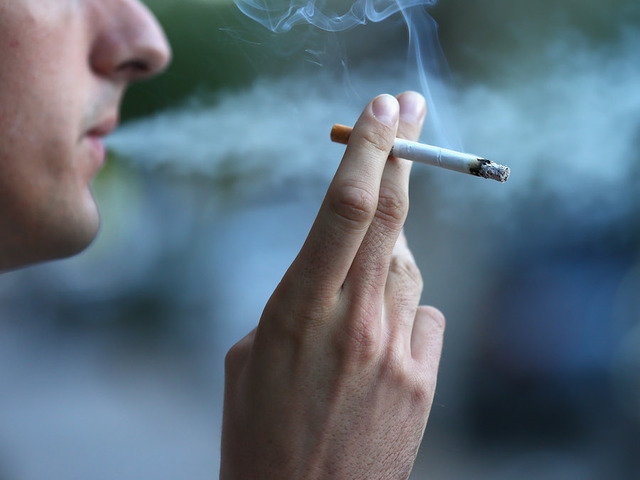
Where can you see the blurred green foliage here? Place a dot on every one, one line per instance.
(214, 48)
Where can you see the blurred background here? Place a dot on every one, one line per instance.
(111, 363)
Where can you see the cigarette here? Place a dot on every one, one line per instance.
(436, 156)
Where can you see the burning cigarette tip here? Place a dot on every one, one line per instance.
(436, 156)
(491, 170)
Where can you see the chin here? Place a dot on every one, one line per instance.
(48, 245)
(71, 233)
(44, 230)
(79, 234)
(76, 243)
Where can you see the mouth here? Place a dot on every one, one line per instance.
(96, 135)
(104, 128)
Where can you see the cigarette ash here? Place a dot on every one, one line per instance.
(571, 134)
(269, 136)
(490, 170)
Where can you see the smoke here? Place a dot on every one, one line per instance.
(568, 133)
(567, 122)
(424, 54)
(282, 16)
(273, 133)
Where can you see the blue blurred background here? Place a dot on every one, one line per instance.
(111, 363)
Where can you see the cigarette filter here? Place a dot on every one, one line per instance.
(436, 156)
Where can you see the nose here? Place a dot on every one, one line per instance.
(128, 42)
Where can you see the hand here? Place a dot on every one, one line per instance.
(338, 379)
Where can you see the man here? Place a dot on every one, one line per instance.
(337, 380)
(65, 65)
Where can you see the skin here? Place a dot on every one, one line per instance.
(338, 379)
(65, 66)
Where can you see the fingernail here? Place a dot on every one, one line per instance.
(385, 109)
(412, 107)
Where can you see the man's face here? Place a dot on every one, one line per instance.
(64, 65)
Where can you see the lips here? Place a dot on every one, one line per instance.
(95, 136)
(104, 128)
(98, 150)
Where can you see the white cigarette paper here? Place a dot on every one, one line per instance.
(436, 156)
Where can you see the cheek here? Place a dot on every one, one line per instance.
(40, 145)
(42, 174)
(40, 132)
(44, 92)
(43, 151)
(65, 172)
(43, 204)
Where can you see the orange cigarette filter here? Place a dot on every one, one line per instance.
(340, 133)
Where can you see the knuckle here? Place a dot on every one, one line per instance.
(362, 340)
(377, 141)
(293, 318)
(401, 371)
(394, 365)
(406, 268)
(422, 392)
(393, 205)
(234, 358)
(359, 340)
(354, 204)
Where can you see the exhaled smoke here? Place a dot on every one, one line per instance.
(569, 132)
(565, 119)
(429, 64)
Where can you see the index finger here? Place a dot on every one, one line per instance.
(351, 201)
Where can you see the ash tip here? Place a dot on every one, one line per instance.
(493, 171)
